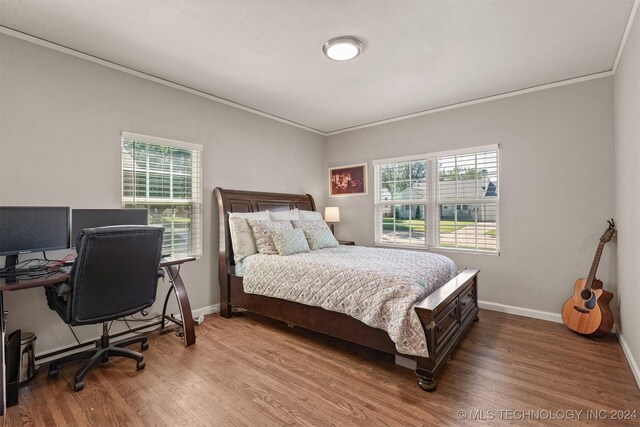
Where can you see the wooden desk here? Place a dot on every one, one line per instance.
(172, 269)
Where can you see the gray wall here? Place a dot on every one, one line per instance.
(627, 131)
(60, 123)
(61, 119)
(556, 158)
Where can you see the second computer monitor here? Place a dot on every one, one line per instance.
(90, 218)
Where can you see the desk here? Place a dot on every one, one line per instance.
(172, 269)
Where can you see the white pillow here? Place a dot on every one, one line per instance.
(289, 215)
(310, 216)
(309, 225)
(242, 238)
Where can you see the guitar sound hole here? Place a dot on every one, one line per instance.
(585, 294)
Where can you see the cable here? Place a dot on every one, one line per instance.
(74, 334)
(29, 274)
(133, 319)
(26, 266)
(173, 278)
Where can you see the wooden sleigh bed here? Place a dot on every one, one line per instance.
(446, 314)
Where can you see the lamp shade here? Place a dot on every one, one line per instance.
(332, 214)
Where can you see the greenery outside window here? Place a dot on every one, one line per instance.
(441, 200)
(164, 176)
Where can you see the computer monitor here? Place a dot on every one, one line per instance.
(90, 218)
(25, 229)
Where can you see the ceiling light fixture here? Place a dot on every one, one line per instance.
(342, 48)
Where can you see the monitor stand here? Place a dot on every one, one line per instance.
(10, 262)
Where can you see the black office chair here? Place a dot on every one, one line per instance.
(115, 274)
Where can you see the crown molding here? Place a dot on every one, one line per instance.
(623, 42)
(45, 43)
(476, 101)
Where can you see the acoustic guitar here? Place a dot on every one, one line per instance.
(587, 312)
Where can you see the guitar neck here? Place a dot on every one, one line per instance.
(594, 267)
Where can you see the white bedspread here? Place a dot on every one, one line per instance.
(376, 286)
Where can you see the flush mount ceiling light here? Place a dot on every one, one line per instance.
(342, 48)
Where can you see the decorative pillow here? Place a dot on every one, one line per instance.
(290, 241)
(311, 225)
(310, 216)
(241, 235)
(320, 238)
(289, 215)
(262, 233)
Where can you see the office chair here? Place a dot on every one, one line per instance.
(115, 274)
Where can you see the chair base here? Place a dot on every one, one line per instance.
(100, 355)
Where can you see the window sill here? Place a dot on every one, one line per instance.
(438, 249)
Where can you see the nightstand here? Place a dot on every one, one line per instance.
(347, 242)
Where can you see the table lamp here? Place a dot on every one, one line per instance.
(331, 216)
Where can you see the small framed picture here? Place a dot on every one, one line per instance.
(348, 180)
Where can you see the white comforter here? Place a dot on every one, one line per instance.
(376, 286)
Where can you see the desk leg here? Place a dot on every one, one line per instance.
(3, 371)
(183, 304)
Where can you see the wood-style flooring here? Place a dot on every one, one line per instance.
(252, 371)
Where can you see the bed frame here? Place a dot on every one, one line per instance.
(445, 315)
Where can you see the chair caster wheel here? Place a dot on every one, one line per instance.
(144, 345)
(53, 371)
(78, 385)
(140, 365)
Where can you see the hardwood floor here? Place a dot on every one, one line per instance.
(249, 370)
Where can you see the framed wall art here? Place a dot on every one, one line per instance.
(348, 180)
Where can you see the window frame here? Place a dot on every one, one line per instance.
(433, 200)
(194, 177)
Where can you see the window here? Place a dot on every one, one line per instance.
(443, 200)
(164, 176)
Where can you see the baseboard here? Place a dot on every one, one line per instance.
(630, 359)
(520, 311)
(203, 311)
(528, 312)
(210, 309)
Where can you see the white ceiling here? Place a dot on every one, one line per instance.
(267, 54)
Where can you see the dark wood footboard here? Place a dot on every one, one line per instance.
(445, 315)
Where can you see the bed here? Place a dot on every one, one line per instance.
(444, 315)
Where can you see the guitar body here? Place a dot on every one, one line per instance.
(587, 312)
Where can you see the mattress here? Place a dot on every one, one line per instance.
(377, 286)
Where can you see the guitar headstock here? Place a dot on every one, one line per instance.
(609, 233)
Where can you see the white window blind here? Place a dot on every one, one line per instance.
(165, 177)
(444, 200)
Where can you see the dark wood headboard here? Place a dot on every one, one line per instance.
(250, 201)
